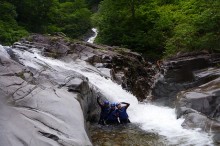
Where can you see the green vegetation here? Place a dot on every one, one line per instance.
(160, 27)
(152, 27)
(10, 31)
(20, 17)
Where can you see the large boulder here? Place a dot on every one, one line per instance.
(180, 73)
(37, 104)
(204, 99)
(200, 106)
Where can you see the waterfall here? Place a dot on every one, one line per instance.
(92, 39)
(151, 118)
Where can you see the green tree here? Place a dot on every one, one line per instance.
(33, 15)
(159, 26)
(43, 16)
(72, 18)
(197, 27)
(9, 29)
(129, 24)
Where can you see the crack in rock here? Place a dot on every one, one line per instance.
(46, 125)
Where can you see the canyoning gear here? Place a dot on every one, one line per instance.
(106, 102)
(105, 109)
(113, 105)
(123, 116)
(104, 115)
(118, 105)
(122, 113)
(112, 117)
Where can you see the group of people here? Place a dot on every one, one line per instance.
(114, 113)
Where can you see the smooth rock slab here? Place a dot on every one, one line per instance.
(38, 112)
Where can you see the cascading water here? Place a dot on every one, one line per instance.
(92, 39)
(151, 118)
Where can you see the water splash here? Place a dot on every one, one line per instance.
(92, 39)
(152, 118)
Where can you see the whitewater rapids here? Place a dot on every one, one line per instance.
(151, 118)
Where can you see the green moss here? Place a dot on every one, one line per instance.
(21, 75)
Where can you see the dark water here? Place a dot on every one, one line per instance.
(123, 135)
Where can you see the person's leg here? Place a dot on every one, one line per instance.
(101, 121)
(128, 121)
(124, 121)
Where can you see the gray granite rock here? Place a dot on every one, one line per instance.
(36, 107)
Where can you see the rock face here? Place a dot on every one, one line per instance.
(178, 74)
(44, 102)
(126, 68)
(195, 81)
(36, 110)
(200, 106)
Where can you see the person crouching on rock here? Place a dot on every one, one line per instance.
(105, 109)
(112, 116)
(122, 112)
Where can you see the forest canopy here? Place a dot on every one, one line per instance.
(160, 27)
(152, 27)
(20, 17)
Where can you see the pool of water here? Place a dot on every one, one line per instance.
(123, 135)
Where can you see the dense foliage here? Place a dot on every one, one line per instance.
(153, 27)
(18, 17)
(160, 26)
(10, 31)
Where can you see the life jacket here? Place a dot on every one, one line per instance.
(122, 113)
(112, 116)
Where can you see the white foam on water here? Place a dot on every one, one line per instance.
(152, 118)
(92, 39)
(4, 52)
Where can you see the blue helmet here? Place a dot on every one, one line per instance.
(117, 104)
(113, 105)
(106, 102)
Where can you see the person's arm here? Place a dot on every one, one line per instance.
(99, 103)
(126, 104)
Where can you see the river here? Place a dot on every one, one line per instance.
(153, 119)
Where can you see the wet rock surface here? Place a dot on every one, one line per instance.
(45, 104)
(191, 83)
(200, 105)
(127, 68)
(182, 73)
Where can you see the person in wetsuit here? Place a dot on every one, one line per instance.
(105, 109)
(122, 113)
(112, 116)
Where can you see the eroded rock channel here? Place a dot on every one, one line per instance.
(49, 85)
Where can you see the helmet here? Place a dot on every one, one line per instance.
(106, 102)
(113, 105)
(117, 104)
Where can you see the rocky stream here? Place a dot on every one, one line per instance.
(49, 86)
